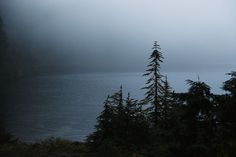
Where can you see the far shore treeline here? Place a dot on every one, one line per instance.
(162, 124)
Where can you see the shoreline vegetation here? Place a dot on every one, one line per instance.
(162, 124)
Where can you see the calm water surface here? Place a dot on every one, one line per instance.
(67, 105)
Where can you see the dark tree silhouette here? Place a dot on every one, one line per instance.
(226, 136)
(154, 83)
(199, 119)
(167, 100)
(118, 100)
(197, 123)
(104, 124)
(136, 132)
(199, 98)
(230, 85)
(109, 123)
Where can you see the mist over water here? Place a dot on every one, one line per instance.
(67, 105)
(105, 42)
(117, 36)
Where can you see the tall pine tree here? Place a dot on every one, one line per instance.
(167, 100)
(154, 85)
(104, 127)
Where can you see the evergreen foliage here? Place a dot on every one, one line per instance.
(230, 85)
(154, 84)
(197, 123)
(193, 124)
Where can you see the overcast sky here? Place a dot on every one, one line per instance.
(107, 35)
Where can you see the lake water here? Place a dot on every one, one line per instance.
(67, 105)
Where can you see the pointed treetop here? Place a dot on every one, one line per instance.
(198, 78)
(156, 46)
(121, 87)
(128, 95)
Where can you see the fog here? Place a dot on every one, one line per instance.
(116, 35)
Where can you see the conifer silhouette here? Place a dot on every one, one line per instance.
(154, 86)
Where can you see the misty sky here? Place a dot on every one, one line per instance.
(117, 35)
